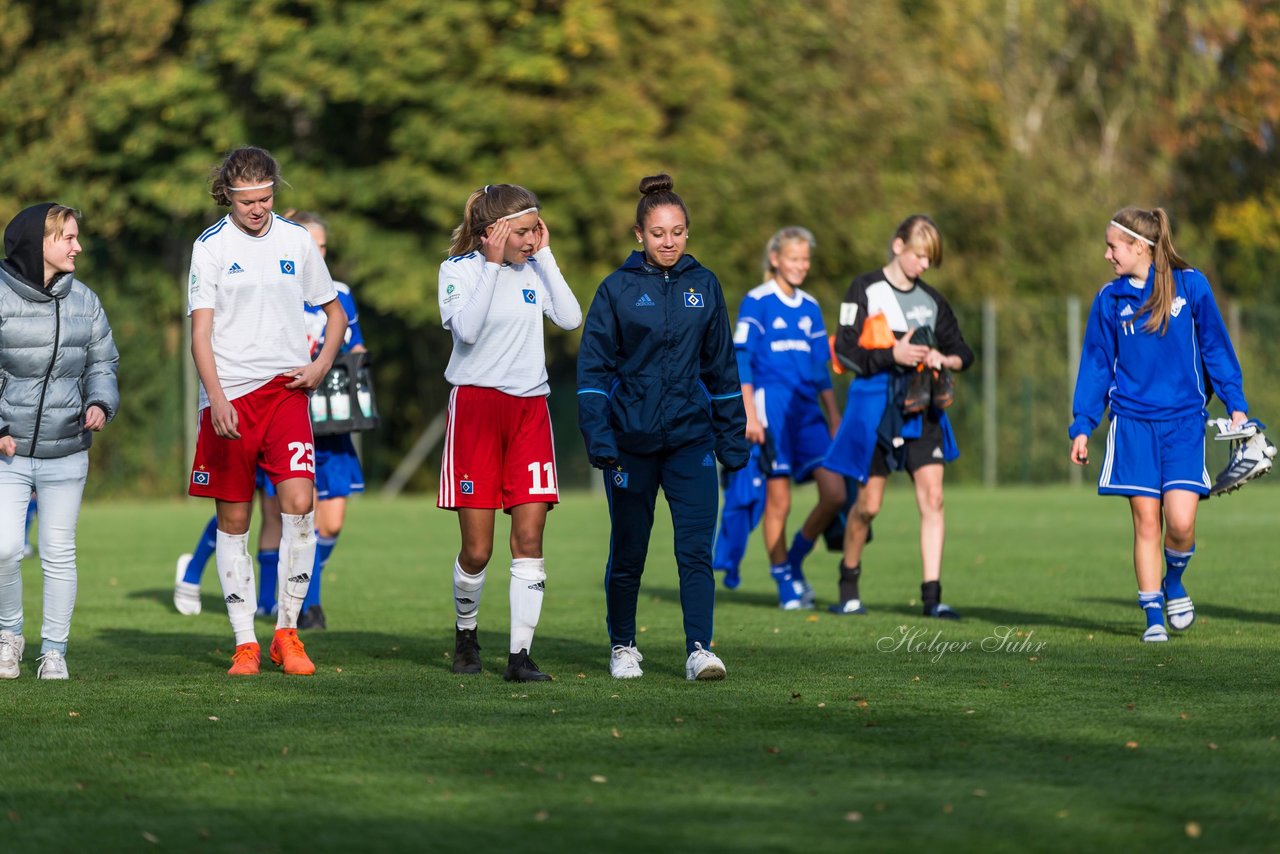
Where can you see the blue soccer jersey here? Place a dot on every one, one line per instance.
(316, 319)
(1149, 375)
(785, 340)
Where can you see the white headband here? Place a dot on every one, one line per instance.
(1132, 233)
(254, 187)
(518, 214)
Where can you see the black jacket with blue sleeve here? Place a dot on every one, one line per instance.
(656, 369)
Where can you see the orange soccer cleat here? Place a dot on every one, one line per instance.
(245, 660)
(288, 652)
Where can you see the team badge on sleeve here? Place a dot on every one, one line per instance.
(693, 299)
(286, 267)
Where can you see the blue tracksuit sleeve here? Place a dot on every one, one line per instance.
(719, 374)
(1097, 368)
(1219, 356)
(597, 369)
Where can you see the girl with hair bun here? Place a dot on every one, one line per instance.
(1154, 345)
(496, 286)
(659, 401)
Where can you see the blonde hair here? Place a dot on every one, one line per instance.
(1154, 226)
(255, 165)
(790, 234)
(919, 230)
(55, 221)
(485, 207)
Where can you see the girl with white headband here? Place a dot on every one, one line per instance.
(251, 273)
(1154, 346)
(496, 286)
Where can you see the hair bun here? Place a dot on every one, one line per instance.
(662, 183)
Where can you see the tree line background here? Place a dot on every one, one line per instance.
(1019, 125)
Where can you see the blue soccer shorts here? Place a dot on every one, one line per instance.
(1153, 457)
(798, 433)
(338, 472)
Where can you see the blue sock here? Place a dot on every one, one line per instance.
(324, 548)
(1152, 604)
(800, 548)
(1175, 563)
(204, 549)
(269, 576)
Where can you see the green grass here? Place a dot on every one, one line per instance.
(819, 739)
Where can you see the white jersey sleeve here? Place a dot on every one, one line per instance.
(202, 285)
(317, 283)
(561, 306)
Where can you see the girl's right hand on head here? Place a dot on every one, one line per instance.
(494, 242)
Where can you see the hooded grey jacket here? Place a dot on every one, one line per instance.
(57, 358)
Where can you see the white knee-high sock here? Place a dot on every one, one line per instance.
(527, 582)
(297, 557)
(235, 571)
(466, 595)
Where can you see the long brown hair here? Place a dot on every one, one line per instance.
(485, 207)
(1154, 226)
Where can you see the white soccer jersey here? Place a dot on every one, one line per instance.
(495, 314)
(257, 287)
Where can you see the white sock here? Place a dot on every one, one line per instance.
(527, 577)
(297, 557)
(466, 596)
(235, 571)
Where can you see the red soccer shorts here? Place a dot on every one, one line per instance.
(275, 434)
(498, 451)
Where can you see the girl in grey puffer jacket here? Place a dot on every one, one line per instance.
(57, 385)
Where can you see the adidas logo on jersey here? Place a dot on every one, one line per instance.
(234, 268)
(708, 461)
(1127, 311)
(644, 302)
(779, 323)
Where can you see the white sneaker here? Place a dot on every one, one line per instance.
(624, 663)
(703, 664)
(805, 592)
(186, 596)
(52, 666)
(11, 647)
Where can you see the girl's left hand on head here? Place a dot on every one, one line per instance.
(542, 236)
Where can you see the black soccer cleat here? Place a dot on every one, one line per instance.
(520, 668)
(466, 651)
(942, 388)
(919, 391)
(312, 618)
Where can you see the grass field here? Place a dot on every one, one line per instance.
(1053, 729)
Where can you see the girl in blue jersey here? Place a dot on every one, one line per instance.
(782, 351)
(338, 471)
(1154, 337)
(659, 401)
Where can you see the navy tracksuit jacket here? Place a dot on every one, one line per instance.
(658, 402)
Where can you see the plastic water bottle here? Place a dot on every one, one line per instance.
(339, 395)
(319, 406)
(363, 394)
